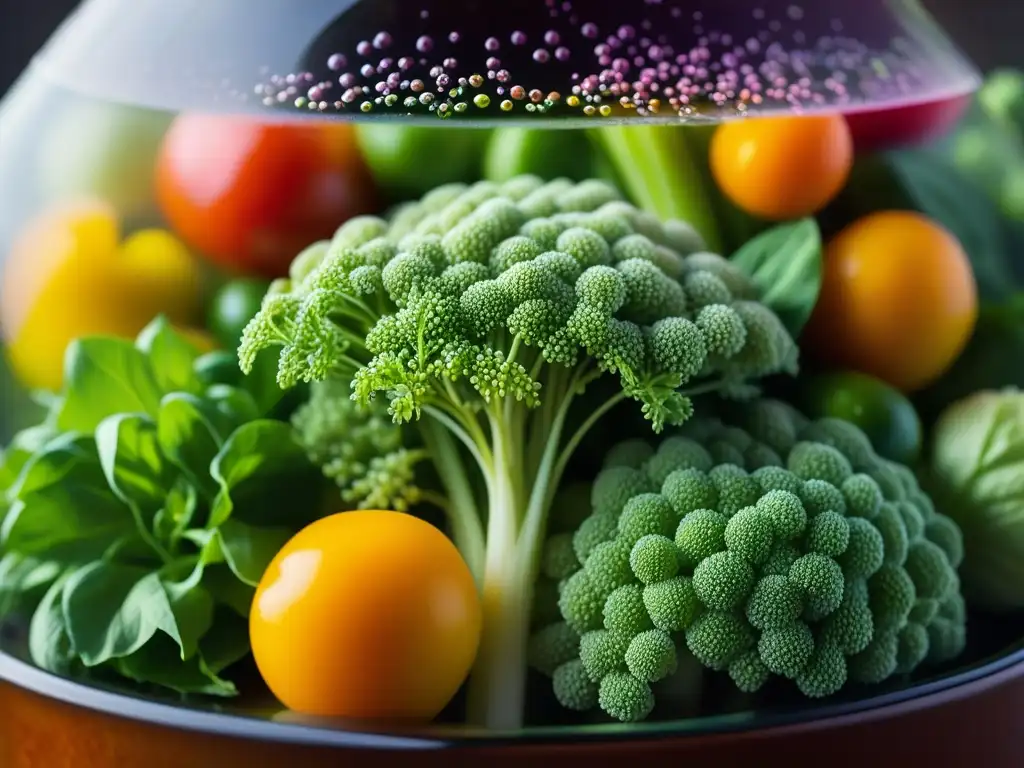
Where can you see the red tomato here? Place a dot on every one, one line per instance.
(251, 195)
(879, 129)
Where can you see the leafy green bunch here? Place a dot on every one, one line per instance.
(138, 518)
(785, 549)
(481, 313)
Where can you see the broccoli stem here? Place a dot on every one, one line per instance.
(662, 169)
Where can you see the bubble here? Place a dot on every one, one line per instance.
(492, 44)
(364, 48)
(367, 70)
(589, 30)
(541, 56)
(424, 44)
(454, 37)
(482, 100)
(449, 63)
(336, 62)
(506, 106)
(605, 110)
(426, 98)
(493, 63)
(536, 96)
(476, 81)
(366, 106)
(416, 85)
(502, 76)
(562, 53)
(517, 92)
(461, 107)
(626, 32)
(518, 38)
(443, 81)
(405, 63)
(551, 37)
(391, 99)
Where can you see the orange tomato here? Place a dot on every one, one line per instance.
(898, 301)
(70, 274)
(250, 195)
(782, 168)
(368, 615)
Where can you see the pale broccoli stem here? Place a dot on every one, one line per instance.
(664, 171)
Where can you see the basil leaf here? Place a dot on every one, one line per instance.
(248, 550)
(157, 663)
(24, 581)
(264, 476)
(49, 644)
(104, 377)
(221, 368)
(228, 590)
(170, 356)
(111, 611)
(226, 643)
(233, 404)
(188, 439)
(132, 462)
(785, 263)
(70, 457)
(66, 522)
(177, 513)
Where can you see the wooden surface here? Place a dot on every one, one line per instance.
(978, 726)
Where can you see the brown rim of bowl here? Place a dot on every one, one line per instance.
(969, 681)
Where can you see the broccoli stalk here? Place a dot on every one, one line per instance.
(479, 315)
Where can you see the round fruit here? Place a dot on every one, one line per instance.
(366, 615)
(898, 300)
(251, 195)
(233, 306)
(886, 416)
(782, 168)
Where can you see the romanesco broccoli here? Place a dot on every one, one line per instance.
(481, 313)
(827, 566)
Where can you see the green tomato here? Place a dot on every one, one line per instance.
(107, 151)
(885, 415)
(233, 306)
(409, 161)
(549, 154)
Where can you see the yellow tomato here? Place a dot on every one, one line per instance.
(782, 168)
(898, 300)
(69, 274)
(366, 615)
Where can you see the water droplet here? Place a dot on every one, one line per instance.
(366, 106)
(482, 100)
(506, 106)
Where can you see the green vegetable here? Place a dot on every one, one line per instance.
(787, 548)
(139, 517)
(977, 473)
(884, 414)
(408, 161)
(480, 315)
(785, 263)
(548, 154)
(232, 306)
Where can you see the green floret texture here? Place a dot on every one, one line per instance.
(806, 569)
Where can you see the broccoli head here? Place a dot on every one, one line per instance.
(477, 316)
(805, 556)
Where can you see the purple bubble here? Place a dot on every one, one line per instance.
(492, 44)
(518, 38)
(453, 37)
(551, 37)
(589, 30)
(424, 44)
(450, 63)
(562, 53)
(405, 63)
(541, 56)
(336, 62)
(381, 40)
(367, 70)
(364, 48)
(347, 80)
(493, 63)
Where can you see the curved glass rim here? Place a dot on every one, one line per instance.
(312, 732)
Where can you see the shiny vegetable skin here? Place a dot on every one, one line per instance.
(898, 301)
(409, 161)
(368, 615)
(231, 308)
(548, 154)
(780, 548)
(782, 168)
(249, 195)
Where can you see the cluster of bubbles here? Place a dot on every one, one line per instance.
(632, 70)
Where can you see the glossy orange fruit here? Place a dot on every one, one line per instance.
(782, 168)
(898, 301)
(369, 615)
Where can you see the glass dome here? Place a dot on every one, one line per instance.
(170, 171)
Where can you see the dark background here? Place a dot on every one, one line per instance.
(989, 31)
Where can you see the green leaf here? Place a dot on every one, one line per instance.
(228, 591)
(188, 438)
(248, 550)
(132, 462)
(103, 377)
(170, 356)
(69, 457)
(66, 521)
(235, 405)
(158, 663)
(221, 368)
(785, 263)
(111, 611)
(24, 581)
(226, 643)
(177, 513)
(49, 644)
(265, 477)
(20, 450)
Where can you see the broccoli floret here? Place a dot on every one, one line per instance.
(573, 687)
(560, 559)
(625, 697)
(553, 646)
(806, 573)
